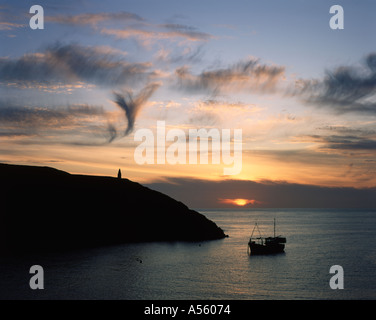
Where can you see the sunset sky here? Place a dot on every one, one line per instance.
(303, 94)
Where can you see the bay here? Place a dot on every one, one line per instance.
(316, 240)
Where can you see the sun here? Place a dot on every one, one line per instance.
(239, 202)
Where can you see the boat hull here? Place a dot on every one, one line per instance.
(262, 249)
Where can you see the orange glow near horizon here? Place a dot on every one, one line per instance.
(239, 202)
(105, 160)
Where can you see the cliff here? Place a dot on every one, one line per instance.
(47, 209)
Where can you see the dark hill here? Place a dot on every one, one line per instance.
(47, 209)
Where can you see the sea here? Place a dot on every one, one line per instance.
(317, 239)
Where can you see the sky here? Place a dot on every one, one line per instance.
(82, 93)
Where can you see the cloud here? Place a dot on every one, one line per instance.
(6, 26)
(204, 118)
(187, 32)
(152, 33)
(344, 89)
(187, 55)
(36, 116)
(213, 112)
(93, 18)
(131, 105)
(345, 142)
(248, 76)
(139, 29)
(82, 121)
(112, 132)
(73, 63)
(9, 20)
(269, 194)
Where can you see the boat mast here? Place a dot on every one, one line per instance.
(274, 227)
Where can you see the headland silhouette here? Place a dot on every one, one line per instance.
(47, 209)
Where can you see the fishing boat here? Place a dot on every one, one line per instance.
(262, 245)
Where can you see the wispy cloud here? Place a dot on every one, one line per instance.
(187, 32)
(75, 121)
(73, 63)
(249, 76)
(345, 142)
(93, 19)
(131, 104)
(10, 25)
(344, 89)
(147, 36)
(214, 112)
(9, 21)
(132, 26)
(187, 55)
(32, 117)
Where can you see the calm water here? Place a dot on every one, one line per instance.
(316, 240)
